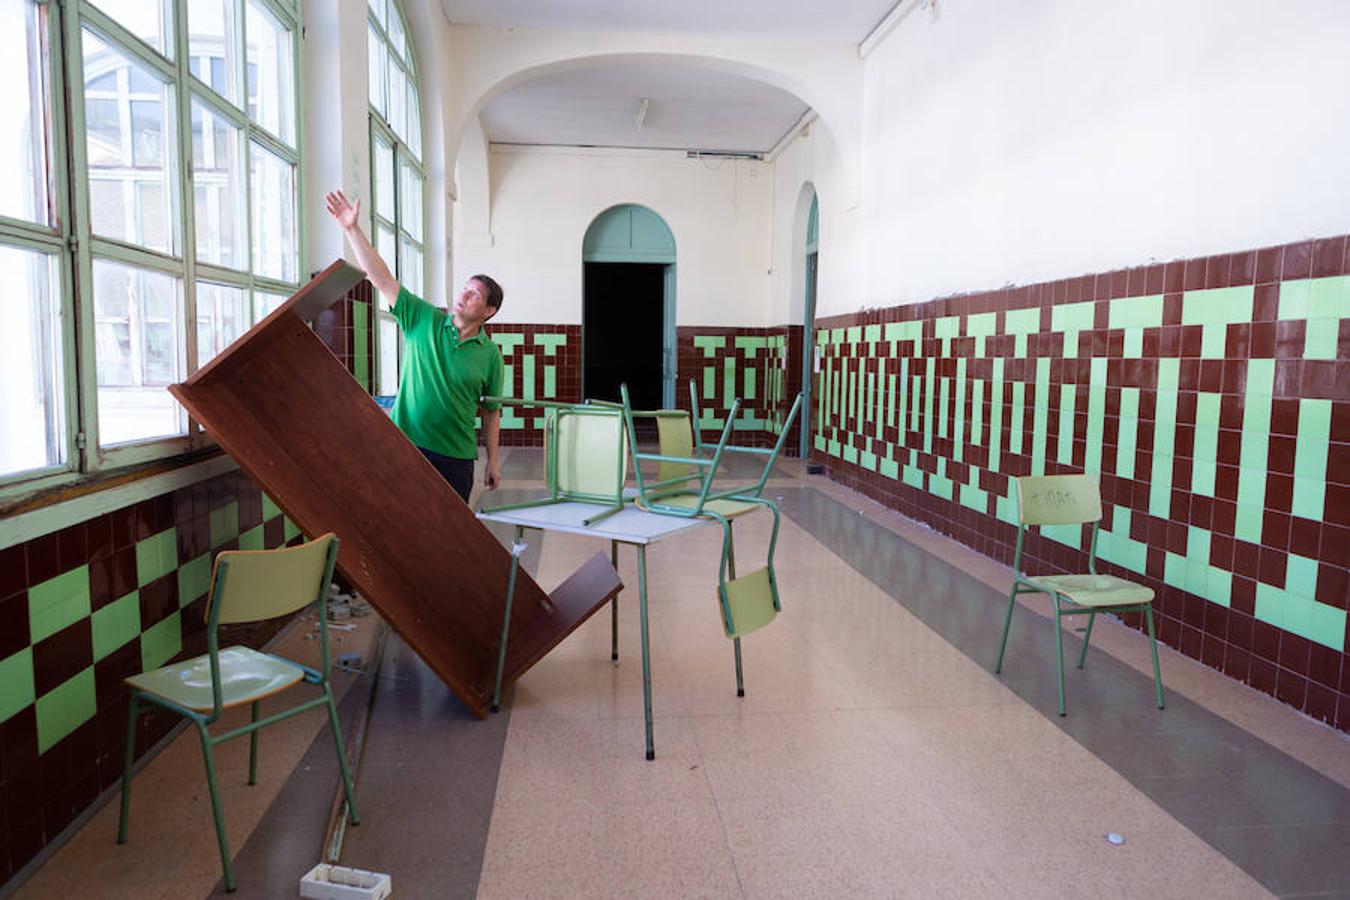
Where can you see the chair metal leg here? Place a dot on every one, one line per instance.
(731, 575)
(614, 606)
(216, 811)
(1153, 645)
(1007, 622)
(133, 710)
(646, 650)
(1059, 654)
(1087, 636)
(253, 748)
(352, 814)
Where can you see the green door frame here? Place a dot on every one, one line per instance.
(630, 233)
(809, 322)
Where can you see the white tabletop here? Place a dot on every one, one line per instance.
(631, 526)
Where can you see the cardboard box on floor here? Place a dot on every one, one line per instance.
(307, 433)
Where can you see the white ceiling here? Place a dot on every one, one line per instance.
(689, 109)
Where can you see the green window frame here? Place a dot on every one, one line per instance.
(182, 223)
(398, 207)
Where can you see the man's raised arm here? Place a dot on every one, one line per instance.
(348, 216)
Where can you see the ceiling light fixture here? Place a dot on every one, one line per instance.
(643, 103)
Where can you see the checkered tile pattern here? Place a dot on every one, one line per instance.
(87, 606)
(1213, 396)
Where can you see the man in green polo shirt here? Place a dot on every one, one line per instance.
(449, 362)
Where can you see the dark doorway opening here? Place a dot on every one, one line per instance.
(623, 331)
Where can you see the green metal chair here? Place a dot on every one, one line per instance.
(683, 487)
(247, 586)
(585, 455)
(1073, 500)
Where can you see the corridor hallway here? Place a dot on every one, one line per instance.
(874, 754)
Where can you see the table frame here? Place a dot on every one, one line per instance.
(632, 526)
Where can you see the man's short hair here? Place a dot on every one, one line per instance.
(494, 290)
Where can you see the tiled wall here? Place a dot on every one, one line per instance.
(760, 366)
(85, 606)
(1213, 396)
(543, 362)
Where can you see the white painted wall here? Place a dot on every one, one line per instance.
(1020, 142)
(544, 200)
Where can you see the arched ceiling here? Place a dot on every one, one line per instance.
(689, 107)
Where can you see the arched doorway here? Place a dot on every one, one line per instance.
(628, 307)
(809, 321)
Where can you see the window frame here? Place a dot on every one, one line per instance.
(74, 240)
(403, 155)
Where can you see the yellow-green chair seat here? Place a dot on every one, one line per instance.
(1094, 590)
(725, 507)
(750, 603)
(245, 676)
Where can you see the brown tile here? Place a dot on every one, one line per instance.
(1297, 261)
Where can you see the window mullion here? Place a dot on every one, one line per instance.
(186, 190)
(83, 364)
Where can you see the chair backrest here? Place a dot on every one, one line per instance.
(253, 585)
(676, 436)
(592, 453)
(1059, 499)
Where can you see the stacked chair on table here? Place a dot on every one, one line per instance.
(684, 488)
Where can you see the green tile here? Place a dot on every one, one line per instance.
(252, 539)
(1321, 338)
(224, 523)
(1136, 313)
(270, 508)
(161, 642)
(1294, 299)
(57, 603)
(290, 529)
(16, 683)
(1300, 576)
(1309, 498)
(193, 579)
(115, 624)
(1325, 297)
(156, 556)
(65, 708)
(1064, 447)
(1326, 626)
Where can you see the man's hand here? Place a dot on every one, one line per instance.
(492, 478)
(346, 214)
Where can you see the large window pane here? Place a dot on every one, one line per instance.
(32, 364)
(410, 266)
(375, 72)
(414, 122)
(24, 166)
(222, 316)
(271, 86)
(274, 237)
(217, 188)
(387, 372)
(398, 97)
(212, 54)
(129, 142)
(410, 192)
(149, 20)
(264, 303)
(394, 28)
(384, 178)
(138, 326)
(384, 244)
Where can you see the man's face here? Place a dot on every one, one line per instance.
(471, 305)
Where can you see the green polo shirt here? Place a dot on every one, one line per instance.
(442, 379)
